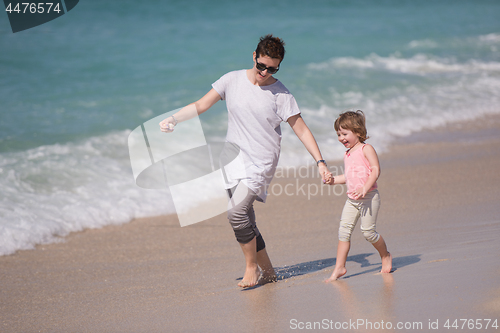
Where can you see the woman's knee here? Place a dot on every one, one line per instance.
(245, 234)
(235, 215)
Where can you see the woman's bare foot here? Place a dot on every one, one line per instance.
(386, 263)
(251, 277)
(337, 272)
(268, 277)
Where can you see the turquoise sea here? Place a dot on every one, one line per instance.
(71, 90)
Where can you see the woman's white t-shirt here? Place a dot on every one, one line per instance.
(254, 117)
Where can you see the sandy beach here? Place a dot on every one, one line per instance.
(439, 217)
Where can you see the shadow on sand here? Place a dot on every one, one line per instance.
(287, 272)
(398, 262)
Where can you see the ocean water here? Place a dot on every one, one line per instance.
(73, 89)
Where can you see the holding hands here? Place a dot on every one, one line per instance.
(328, 179)
(325, 173)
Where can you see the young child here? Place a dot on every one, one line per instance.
(361, 171)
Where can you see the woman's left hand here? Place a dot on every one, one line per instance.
(326, 175)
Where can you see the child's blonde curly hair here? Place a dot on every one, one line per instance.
(353, 121)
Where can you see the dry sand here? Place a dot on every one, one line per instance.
(439, 217)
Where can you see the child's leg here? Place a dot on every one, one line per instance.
(348, 220)
(371, 205)
(340, 270)
(384, 255)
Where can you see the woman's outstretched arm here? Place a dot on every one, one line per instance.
(306, 137)
(190, 111)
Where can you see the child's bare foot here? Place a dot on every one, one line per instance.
(337, 272)
(251, 277)
(386, 263)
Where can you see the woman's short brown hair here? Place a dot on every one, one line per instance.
(353, 121)
(271, 46)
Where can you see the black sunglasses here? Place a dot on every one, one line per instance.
(262, 67)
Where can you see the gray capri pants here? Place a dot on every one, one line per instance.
(241, 215)
(364, 209)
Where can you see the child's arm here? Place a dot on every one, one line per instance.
(371, 156)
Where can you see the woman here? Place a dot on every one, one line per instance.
(257, 103)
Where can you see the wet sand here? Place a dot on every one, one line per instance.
(439, 217)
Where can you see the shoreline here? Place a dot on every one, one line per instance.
(446, 133)
(439, 216)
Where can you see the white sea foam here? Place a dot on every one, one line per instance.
(423, 63)
(419, 64)
(490, 38)
(50, 191)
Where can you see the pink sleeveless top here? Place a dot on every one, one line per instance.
(357, 169)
